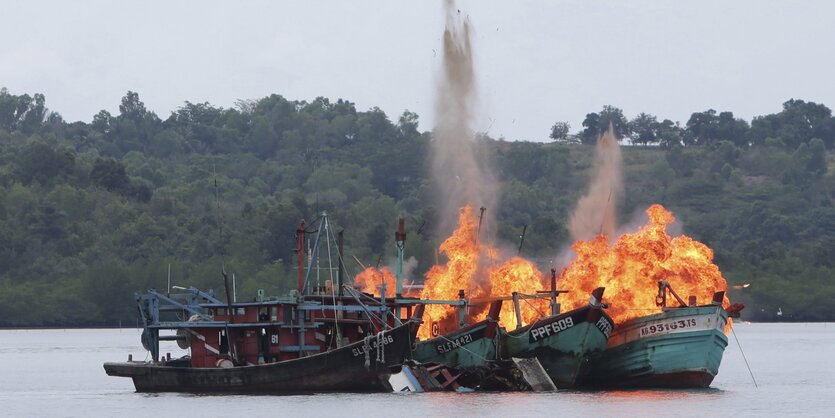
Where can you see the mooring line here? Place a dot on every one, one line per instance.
(743, 357)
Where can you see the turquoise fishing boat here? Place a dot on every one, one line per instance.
(562, 343)
(469, 350)
(680, 347)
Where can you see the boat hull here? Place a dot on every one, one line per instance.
(468, 351)
(680, 348)
(463, 349)
(346, 369)
(561, 343)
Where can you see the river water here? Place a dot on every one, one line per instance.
(58, 373)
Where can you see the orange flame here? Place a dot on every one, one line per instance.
(473, 268)
(518, 275)
(444, 281)
(371, 279)
(631, 269)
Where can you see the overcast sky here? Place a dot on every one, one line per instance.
(537, 61)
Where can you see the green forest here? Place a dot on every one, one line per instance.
(91, 212)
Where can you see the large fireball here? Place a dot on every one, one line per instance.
(631, 269)
(476, 269)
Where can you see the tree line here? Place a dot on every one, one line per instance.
(92, 211)
(799, 122)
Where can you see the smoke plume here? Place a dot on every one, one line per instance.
(457, 170)
(595, 213)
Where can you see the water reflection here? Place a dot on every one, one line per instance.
(661, 394)
(791, 361)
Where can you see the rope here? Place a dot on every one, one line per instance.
(318, 271)
(541, 315)
(345, 268)
(333, 290)
(381, 352)
(522, 335)
(366, 346)
(370, 314)
(743, 357)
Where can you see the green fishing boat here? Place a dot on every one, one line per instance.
(469, 350)
(680, 347)
(562, 343)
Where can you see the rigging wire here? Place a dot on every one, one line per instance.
(541, 315)
(744, 358)
(333, 290)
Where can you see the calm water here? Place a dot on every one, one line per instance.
(59, 373)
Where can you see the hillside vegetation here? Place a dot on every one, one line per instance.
(91, 212)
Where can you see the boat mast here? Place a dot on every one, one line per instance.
(300, 255)
(315, 253)
(555, 307)
(340, 275)
(400, 243)
(478, 230)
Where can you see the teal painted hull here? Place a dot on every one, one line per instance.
(562, 343)
(680, 348)
(465, 349)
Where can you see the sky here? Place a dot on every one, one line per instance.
(537, 62)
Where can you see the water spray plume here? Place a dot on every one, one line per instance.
(456, 168)
(595, 213)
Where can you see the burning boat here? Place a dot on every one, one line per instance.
(314, 340)
(463, 340)
(450, 352)
(653, 344)
(562, 343)
(468, 351)
(680, 347)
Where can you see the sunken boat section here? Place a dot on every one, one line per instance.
(467, 353)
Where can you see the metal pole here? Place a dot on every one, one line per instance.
(555, 309)
(383, 303)
(340, 278)
(300, 255)
(314, 254)
(518, 311)
(462, 309)
(522, 239)
(400, 243)
(478, 231)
